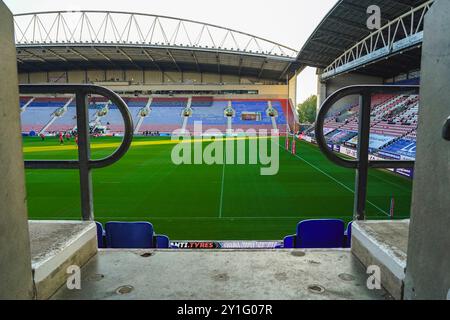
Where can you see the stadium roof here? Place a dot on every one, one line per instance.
(345, 25)
(61, 40)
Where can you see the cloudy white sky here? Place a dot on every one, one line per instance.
(289, 22)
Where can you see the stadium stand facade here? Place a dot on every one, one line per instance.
(157, 79)
(394, 120)
(165, 114)
(346, 58)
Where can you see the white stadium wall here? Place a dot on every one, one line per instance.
(76, 76)
(134, 76)
(115, 75)
(192, 77)
(23, 78)
(173, 77)
(95, 75)
(293, 90)
(141, 77)
(230, 79)
(38, 77)
(150, 80)
(211, 78)
(153, 77)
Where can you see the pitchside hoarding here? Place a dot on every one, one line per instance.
(212, 245)
(404, 172)
(381, 155)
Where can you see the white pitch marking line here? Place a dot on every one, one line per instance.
(221, 190)
(338, 182)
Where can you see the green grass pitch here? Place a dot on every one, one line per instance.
(206, 202)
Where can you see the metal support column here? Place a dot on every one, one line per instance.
(363, 157)
(87, 208)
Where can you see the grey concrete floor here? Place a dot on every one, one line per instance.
(223, 274)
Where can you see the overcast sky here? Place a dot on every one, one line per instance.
(289, 22)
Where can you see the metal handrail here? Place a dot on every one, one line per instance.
(84, 162)
(362, 163)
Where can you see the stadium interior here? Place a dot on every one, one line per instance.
(231, 82)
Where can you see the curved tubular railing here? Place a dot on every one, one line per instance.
(84, 162)
(362, 163)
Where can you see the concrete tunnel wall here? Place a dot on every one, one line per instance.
(15, 260)
(428, 265)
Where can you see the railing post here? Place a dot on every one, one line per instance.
(87, 207)
(363, 157)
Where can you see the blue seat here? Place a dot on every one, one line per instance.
(348, 236)
(134, 235)
(289, 242)
(100, 235)
(317, 234)
(162, 241)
